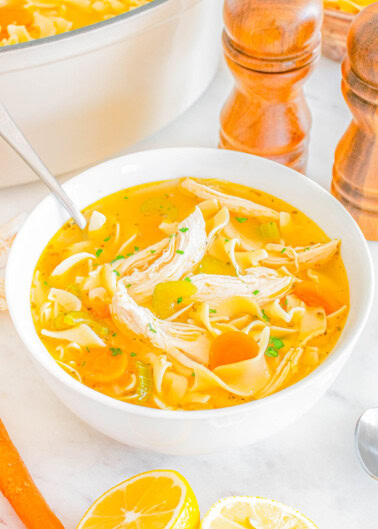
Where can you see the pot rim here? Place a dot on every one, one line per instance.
(85, 29)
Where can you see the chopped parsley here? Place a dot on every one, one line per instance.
(265, 317)
(188, 279)
(180, 252)
(179, 300)
(118, 258)
(151, 328)
(226, 240)
(129, 254)
(115, 351)
(153, 251)
(193, 374)
(87, 348)
(286, 301)
(283, 250)
(117, 273)
(125, 198)
(99, 252)
(133, 354)
(107, 239)
(241, 219)
(128, 285)
(46, 283)
(184, 230)
(83, 364)
(271, 352)
(306, 249)
(212, 311)
(114, 334)
(276, 342)
(255, 292)
(136, 248)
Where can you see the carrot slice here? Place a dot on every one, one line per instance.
(315, 295)
(232, 347)
(19, 488)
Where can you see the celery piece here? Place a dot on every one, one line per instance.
(144, 380)
(269, 231)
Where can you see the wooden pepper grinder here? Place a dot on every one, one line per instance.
(355, 172)
(271, 47)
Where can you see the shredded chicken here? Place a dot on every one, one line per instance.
(164, 335)
(167, 260)
(238, 205)
(306, 256)
(262, 284)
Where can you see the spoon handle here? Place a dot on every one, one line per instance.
(10, 132)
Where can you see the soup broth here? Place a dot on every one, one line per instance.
(189, 295)
(22, 21)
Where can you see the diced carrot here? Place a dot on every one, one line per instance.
(232, 347)
(315, 295)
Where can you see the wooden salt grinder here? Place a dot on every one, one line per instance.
(271, 47)
(355, 172)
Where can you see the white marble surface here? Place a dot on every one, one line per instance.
(311, 465)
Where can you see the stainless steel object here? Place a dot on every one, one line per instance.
(10, 132)
(366, 439)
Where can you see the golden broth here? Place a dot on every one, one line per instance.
(22, 21)
(122, 368)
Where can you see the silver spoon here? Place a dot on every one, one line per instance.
(10, 132)
(366, 439)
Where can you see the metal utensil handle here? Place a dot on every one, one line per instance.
(14, 137)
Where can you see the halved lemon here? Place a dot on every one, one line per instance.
(248, 512)
(160, 499)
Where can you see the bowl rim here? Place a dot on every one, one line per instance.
(340, 351)
(66, 35)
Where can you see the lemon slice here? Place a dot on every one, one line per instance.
(160, 499)
(248, 512)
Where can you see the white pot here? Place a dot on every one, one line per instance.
(85, 95)
(191, 432)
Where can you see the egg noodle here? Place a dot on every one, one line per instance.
(25, 20)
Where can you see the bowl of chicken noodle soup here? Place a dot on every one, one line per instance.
(212, 299)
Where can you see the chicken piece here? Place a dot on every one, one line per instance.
(306, 256)
(262, 284)
(167, 260)
(164, 335)
(238, 205)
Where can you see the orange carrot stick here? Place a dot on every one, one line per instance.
(19, 488)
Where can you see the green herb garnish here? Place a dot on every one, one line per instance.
(265, 317)
(179, 300)
(212, 311)
(283, 250)
(151, 328)
(153, 251)
(255, 292)
(136, 248)
(117, 273)
(133, 354)
(184, 230)
(180, 252)
(276, 342)
(241, 219)
(128, 285)
(99, 252)
(118, 258)
(188, 279)
(271, 352)
(115, 351)
(107, 239)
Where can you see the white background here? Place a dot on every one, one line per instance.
(311, 465)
